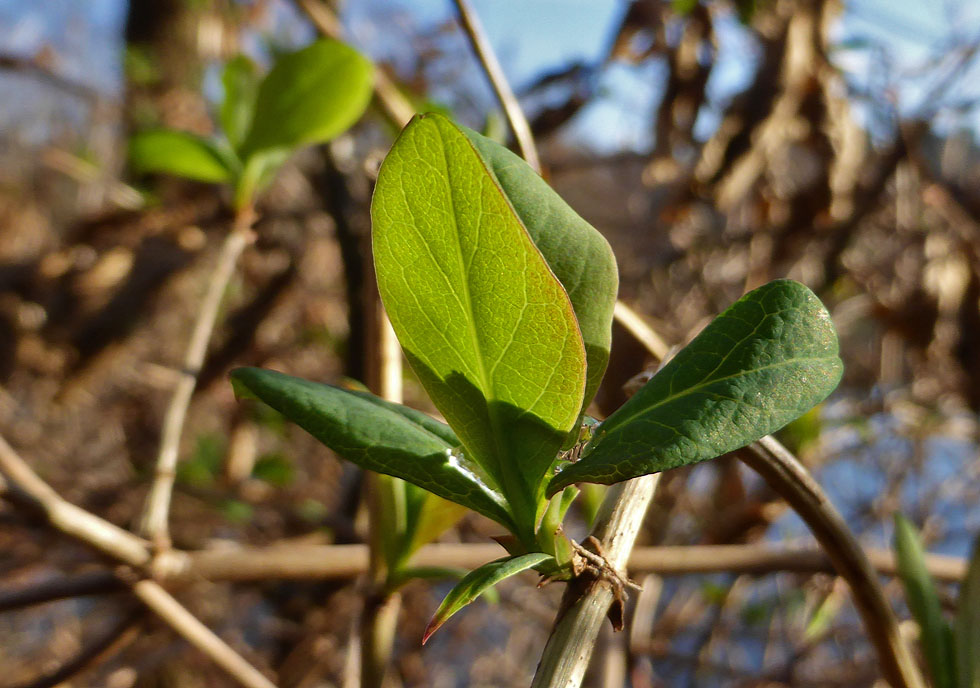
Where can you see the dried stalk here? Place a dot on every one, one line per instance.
(199, 635)
(491, 66)
(128, 548)
(156, 510)
(790, 479)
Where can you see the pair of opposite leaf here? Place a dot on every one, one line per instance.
(309, 96)
(502, 299)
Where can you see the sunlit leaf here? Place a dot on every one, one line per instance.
(240, 80)
(309, 96)
(580, 256)
(484, 323)
(477, 582)
(179, 153)
(762, 363)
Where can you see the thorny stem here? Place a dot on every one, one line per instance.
(153, 523)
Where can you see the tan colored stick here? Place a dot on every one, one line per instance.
(199, 635)
(156, 510)
(495, 73)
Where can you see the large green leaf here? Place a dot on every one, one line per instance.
(580, 256)
(482, 320)
(479, 581)
(966, 627)
(179, 153)
(762, 363)
(240, 80)
(309, 96)
(923, 602)
(375, 434)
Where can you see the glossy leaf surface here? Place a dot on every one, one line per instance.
(762, 363)
(309, 96)
(374, 434)
(487, 328)
(478, 581)
(580, 256)
(180, 153)
(920, 594)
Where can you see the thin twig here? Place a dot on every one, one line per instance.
(102, 647)
(153, 523)
(199, 635)
(130, 549)
(68, 518)
(61, 588)
(488, 59)
(340, 562)
(790, 479)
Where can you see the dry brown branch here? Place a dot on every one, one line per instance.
(339, 562)
(790, 479)
(64, 587)
(68, 518)
(153, 523)
(501, 87)
(199, 635)
(128, 548)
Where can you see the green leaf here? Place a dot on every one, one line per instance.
(374, 434)
(309, 96)
(966, 627)
(580, 256)
(762, 363)
(179, 153)
(487, 328)
(923, 602)
(240, 79)
(477, 582)
(429, 516)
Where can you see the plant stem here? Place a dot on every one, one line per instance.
(790, 479)
(488, 59)
(153, 523)
(569, 649)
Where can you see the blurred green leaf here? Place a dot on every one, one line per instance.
(275, 469)
(240, 79)
(166, 151)
(479, 581)
(967, 625)
(203, 466)
(309, 96)
(923, 602)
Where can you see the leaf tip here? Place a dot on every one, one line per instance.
(434, 624)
